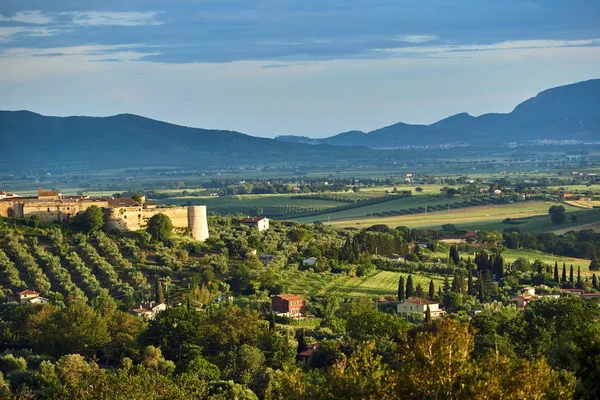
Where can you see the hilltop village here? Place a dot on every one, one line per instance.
(121, 213)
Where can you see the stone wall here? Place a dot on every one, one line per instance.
(136, 218)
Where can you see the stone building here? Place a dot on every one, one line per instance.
(121, 214)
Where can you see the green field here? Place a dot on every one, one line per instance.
(467, 216)
(511, 255)
(383, 283)
(438, 203)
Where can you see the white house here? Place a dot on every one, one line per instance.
(309, 262)
(261, 223)
(149, 310)
(39, 300)
(416, 305)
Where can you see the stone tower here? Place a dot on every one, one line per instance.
(197, 222)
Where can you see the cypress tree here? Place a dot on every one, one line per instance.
(446, 285)
(556, 272)
(594, 282)
(432, 289)
(571, 274)
(419, 291)
(564, 273)
(470, 282)
(410, 289)
(271, 322)
(159, 294)
(454, 254)
(401, 293)
(481, 291)
(579, 281)
(427, 314)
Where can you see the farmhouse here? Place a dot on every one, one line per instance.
(417, 305)
(149, 310)
(261, 223)
(289, 305)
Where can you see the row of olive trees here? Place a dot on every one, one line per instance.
(58, 273)
(20, 254)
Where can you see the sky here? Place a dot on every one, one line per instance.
(272, 67)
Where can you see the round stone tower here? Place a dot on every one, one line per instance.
(197, 222)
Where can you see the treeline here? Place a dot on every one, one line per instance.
(547, 351)
(582, 244)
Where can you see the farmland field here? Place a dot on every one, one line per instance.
(511, 255)
(463, 216)
(433, 202)
(383, 283)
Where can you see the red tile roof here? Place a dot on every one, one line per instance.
(290, 297)
(252, 219)
(421, 301)
(26, 292)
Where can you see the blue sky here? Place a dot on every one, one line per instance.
(269, 67)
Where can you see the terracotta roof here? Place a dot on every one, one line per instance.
(420, 301)
(140, 310)
(123, 202)
(289, 297)
(26, 292)
(252, 219)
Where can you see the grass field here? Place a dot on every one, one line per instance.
(462, 216)
(383, 283)
(438, 202)
(511, 255)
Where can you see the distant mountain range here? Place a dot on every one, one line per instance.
(570, 112)
(33, 140)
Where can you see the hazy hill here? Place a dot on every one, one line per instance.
(127, 140)
(561, 113)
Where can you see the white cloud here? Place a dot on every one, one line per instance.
(7, 33)
(28, 17)
(510, 45)
(416, 38)
(107, 18)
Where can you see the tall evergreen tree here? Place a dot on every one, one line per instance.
(556, 279)
(271, 322)
(427, 314)
(498, 266)
(470, 283)
(454, 254)
(564, 273)
(571, 274)
(446, 285)
(159, 294)
(432, 290)
(594, 282)
(401, 292)
(579, 281)
(481, 288)
(410, 289)
(419, 291)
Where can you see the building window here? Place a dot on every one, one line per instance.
(68, 208)
(139, 215)
(124, 216)
(48, 209)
